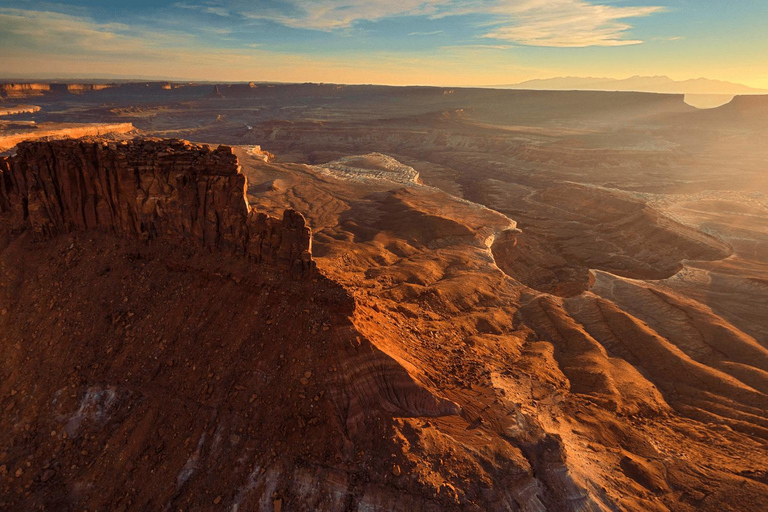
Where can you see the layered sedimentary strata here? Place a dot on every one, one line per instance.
(19, 109)
(169, 383)
(51, 131)
(178, 363)
(148, 189)
(25, 90)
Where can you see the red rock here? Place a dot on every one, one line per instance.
(147, 189)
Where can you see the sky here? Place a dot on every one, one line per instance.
(398, 42)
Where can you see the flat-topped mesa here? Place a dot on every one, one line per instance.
(148, 188)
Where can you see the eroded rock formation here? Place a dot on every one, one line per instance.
(282, 389)
(148, 189)
(25, 90)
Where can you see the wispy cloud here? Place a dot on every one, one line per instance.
(52, 42)
(54, 32)
(218, 11)
(565, 23)
(183, 5)
(211, 39)
(331, 15)
(554, 23)
(432, 33)
(206, 9)
(471, 47)
(38, 44)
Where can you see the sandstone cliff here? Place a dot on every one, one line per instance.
(9, 90)
(283, 389)
(148, 189)
(19, 109)
(51, 131)
(26, 90)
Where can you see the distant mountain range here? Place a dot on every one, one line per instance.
(660, 84)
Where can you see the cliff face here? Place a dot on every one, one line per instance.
(282, 389)
(15, 91)
(19, 109)
(107, 130)
(8, 90)
(148, 189)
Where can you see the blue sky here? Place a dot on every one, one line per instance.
(440, 42)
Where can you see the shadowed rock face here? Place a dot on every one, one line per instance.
(148, 189)
(183, 362)
(134, 302)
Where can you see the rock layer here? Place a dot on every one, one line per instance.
(148, 189)
(24, 90)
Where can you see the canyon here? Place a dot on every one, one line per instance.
(409, 299)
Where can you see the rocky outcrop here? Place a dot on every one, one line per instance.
(81, 88)
(19, 109)
(26, 90)
(9, 90)
(5, 184)
(74, 131)
(148, 189)
(216, 94)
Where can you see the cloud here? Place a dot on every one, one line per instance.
(551, 23)
(55, 36)
(45, 34)
(206, 9)
(61, 33)
(328, 15)
(218, 11)
(43, 45)
(554, 23)
(41, 42)
(433, 33)
(472, 47)
(564, 23)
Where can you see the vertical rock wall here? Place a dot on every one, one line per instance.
(148, 189)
